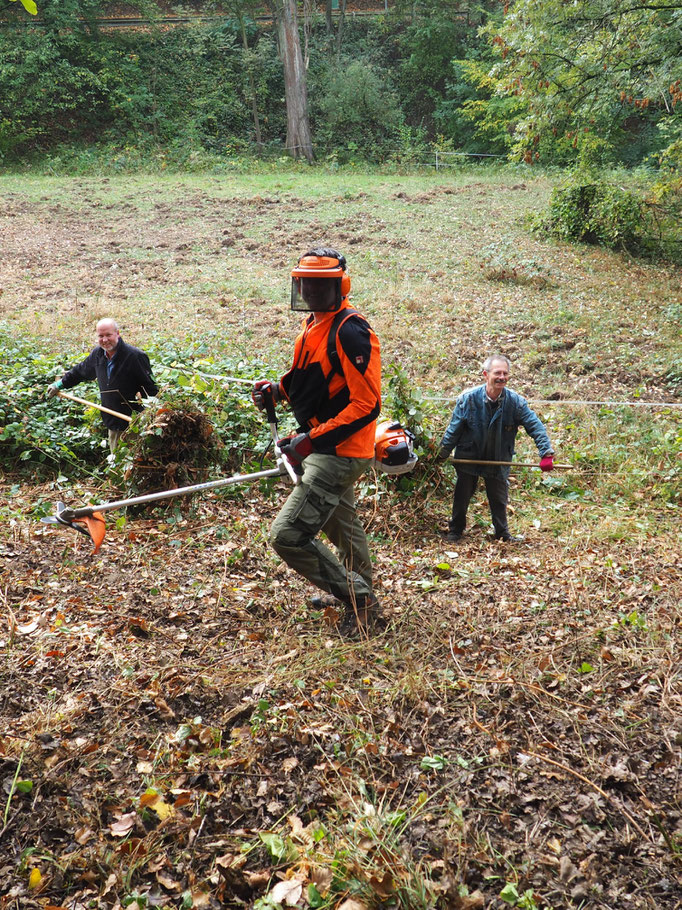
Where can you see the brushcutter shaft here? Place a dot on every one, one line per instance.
(68, 515)
(269, 403)
(91, 404)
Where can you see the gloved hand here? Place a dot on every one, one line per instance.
(547, 463)
(261, 388)
(53, 390)
(443, 454)
(296, 448)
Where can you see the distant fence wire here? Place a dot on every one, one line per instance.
(432, 159)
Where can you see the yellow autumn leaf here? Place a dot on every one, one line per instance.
(34, 879)
(162, 809)
(153, 800)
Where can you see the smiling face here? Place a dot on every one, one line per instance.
(496, 378)
(107, 336)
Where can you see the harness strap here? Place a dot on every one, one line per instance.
(332, 351)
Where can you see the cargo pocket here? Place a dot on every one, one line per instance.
(313, 512)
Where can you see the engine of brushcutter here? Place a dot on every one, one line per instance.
(393, 448)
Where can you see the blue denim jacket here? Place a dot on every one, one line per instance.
(473, 434)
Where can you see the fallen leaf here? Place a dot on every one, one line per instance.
(288, 893)
(289, 764)
(83, 835)
(167, 882)
(164, 709)
(35, 879)
(322, 877)
(123, 825)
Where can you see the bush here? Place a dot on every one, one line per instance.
(590, 210)
(359, 112)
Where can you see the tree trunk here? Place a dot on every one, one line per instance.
(252, 84)
(298, 143)
(339, 33)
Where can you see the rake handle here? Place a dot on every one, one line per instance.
(91, 404)
(510, 464)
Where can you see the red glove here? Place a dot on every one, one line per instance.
(547, 463)
(296, 448)
(261, 388)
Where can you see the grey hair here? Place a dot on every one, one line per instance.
(107, 319)
(493, 357)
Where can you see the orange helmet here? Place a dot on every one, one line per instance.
(393, 452)
(319, 283)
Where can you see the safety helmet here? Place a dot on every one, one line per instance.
(319, 283)
(393, 450)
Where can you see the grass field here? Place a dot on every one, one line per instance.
(178, 728)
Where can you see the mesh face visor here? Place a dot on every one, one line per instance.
(316, 285)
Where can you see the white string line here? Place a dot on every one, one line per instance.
(543, 401)
(567, 401)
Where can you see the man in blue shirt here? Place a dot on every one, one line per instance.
(483, 427)
(123, 374)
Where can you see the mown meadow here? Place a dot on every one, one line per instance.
(178, 728)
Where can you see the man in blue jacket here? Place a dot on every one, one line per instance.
(483, 427)
(123, 374)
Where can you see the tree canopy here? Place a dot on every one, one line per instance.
(591, 66)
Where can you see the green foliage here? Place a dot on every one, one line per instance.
(595, 211)
(502, 261)
(510, 895)
(582, 66)
(475, 112)
(40, 437)
(426, 40)
(185, 89)
(360, 112)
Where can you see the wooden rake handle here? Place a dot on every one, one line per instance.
(91, 404)
(512, 464)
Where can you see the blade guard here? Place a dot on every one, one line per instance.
(95, 528)
(92, 526)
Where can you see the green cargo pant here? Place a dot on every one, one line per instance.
(325, 501)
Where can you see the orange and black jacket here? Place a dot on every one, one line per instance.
(335, 388)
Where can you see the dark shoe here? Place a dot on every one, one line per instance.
(508, 538)
(452, 536)
(361, 617)
(322, 601)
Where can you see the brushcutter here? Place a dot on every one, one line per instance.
(89, 520)
(269, 404)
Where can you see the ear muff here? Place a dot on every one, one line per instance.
(345, 284)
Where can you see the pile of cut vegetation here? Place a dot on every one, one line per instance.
(169, 446)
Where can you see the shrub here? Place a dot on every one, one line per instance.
(359, 111)
(590, 210)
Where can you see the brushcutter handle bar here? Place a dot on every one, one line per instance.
(269, 403)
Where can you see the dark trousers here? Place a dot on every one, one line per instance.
(497, 491)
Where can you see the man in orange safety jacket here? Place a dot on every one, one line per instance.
(334, 390)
